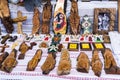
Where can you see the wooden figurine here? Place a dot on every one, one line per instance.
(46, 16)
(3, 56)
(83, 63)
(34, 61)
(64, 66)
(60, 22)
(10, 62)
(13, 38)
(110, 64)
(74, 18)
(3, 47)
(36, 21)
(5, 16)
(5, 38)
(49, 64)
(24, 48)
(96, 63)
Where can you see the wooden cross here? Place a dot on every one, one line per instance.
(19, 21)
(3, 47)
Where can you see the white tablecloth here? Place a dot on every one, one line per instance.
(20, 73)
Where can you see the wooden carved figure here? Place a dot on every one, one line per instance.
(34, 61)
(10, 62)
(96, 63)
(74, 19)
(36, 21)
(64, 66)
(83, 63)
(46, 16)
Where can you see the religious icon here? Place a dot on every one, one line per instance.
(103, 21)
(59, 19)
(59, 23)
(99, 46)
(73, 47)
(85, 46)
(86, 25)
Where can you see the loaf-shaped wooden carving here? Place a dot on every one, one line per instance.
(110, 64)
(10, 62)
(49, 64)
(96, 63)
(34, 61)
(64, 66)
(83, 63)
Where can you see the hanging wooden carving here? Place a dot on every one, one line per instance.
(5, 16)
(74, 19)
(59, 23)
(36, 21)
(46, 16)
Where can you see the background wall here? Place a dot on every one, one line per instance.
(84, 8)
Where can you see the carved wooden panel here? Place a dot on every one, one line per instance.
(100, 16)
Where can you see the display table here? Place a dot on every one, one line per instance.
(20, 73)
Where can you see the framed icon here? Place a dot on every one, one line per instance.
(85, 46)
(104, 20)
(73, 47)
(98, 46)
